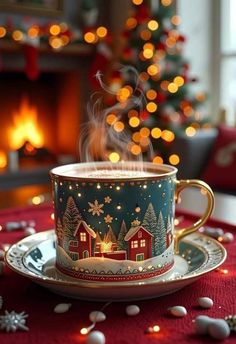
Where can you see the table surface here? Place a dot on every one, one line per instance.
(45, 326)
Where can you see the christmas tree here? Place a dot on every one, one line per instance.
(152, 44)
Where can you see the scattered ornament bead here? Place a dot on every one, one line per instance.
(132, 310)
(29, 231)
(213, 232)
(178, 311)
(1, 301)
(96, 337)
(97, 316)
(201, 324)
(62, 307)
(205, 302)
(11, 322)
(227, 237)
(231, 321)
(2, 267)
(219, 329)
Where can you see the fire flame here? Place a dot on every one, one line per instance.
(25, 127)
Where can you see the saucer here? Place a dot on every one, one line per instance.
(34, 258)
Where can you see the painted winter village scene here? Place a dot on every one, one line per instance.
(96, 236)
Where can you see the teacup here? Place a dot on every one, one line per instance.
(115, 222)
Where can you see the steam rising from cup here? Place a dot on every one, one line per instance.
(98, 139)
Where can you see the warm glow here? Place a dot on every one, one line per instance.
(164, 85)
(111, 118)
(54, 30)
(144, 141)
(134, 122)
(136, 137)
(17, 35)
(33, 31)
(131, 23)
(201, 97)
(145, 35)
(179, 80)
(151, 107)
(3, 159)
(172, 87)
(151, 94)
(148, 53)
(135, 149)
(166, 2)
(106, 246)
(153, 69)
(156, 133)
(176, 20)
(170, 41)
(144, 132)
(119, 126)
(90, 37)
(101, 31)
(123, 94)
(153, 25)
(143, 76)
(132, 113)
(3, 31)
(114, 157)
(174, 159)
(137, 2)
(25, 127)
(157, 160)
(55, 42)
(84, 331)
(190, 131)
(168, 135)
(36, 200)
(65, 40)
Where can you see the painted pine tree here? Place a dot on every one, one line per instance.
(71, 218)
(59, 232)
(160, 238)
(169, 232)
(110, 236)
(121, 243)
(97, 242)
(150, 224)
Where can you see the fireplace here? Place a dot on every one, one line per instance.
(51, 108)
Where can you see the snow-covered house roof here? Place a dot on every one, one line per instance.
(133, 231)
(87, 228)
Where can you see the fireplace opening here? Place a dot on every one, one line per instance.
(39, 120)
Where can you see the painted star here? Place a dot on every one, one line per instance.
(107, 199)
(96, 208)
(11, 322)
(108, 218)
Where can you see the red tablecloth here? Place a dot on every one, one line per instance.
(46, 327)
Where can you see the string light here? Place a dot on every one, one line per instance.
(157, 160)
(111, 118)
(137, 2)
(172, 87)
(145, 34)
(134, 122)
(148, 53)
(167, 135)
(55, 42)
(55, 29)
(190, 131)
(179, 81)
(101, 31)
(153, 25)
(119, 126)
(114, 157)
(90, 37)
(153, 69)
(33, 31)
(17, 35)
(3, 32)
(166, 2)
(136, 136)
(135, 149)
(132, 113)
(153, 329)
(176, 20)
(156, 133)
(151, 94)
(131, 23)
(174, 159)
(144, 132)
(151, 107)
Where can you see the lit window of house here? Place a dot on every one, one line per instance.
(82, 236)
(73, 243)
(134, 244)
(142, 243)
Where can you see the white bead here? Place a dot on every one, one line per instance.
(205, 302)
(178, 311)
(97, 316)
(29, 231)
(201, 324)
(219, 329)
(228, 237)
(132, 310)
(62, 307)
(2, 267)
(96, 337)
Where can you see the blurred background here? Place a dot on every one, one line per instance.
(161, 72)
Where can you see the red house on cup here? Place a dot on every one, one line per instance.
(139, 243)
(82, 244)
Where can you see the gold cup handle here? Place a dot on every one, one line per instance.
(182, 184)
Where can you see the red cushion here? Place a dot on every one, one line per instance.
(221, 169)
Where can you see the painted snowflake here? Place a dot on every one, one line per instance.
(108, 218)
(11, 322)
(107, 199)
(96, 208)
